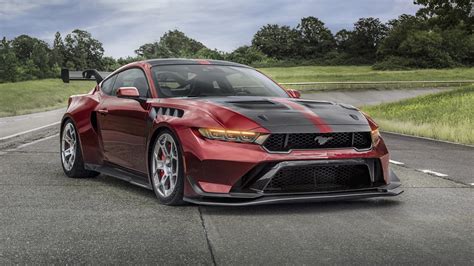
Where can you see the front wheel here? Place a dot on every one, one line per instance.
(166, 169)
(71, 155)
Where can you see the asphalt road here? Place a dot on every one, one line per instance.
(47, 218)
(17, 124)
(455, 161)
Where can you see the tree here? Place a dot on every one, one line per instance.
(459, 45)
(8, 62)
(277, 41)
(447, 14)
(365, 38)
(172, 44)
(109, 64)
(34, 57)
(23, 46)
(412, 41)
(316, 40)
(427, 48)
(59, 50)
(342, 39)
(82, 51)
(398, 30)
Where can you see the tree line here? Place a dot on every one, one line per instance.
(440, 35)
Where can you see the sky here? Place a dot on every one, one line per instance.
(122, 26)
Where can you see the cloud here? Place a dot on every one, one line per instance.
(122, 26)
(13, 8)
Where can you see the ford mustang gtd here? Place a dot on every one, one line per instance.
(220, 133)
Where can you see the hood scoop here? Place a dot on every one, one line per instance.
(315, 104)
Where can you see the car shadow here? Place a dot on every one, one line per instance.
(113, 182)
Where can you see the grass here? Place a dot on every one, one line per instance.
(38, 95)
(446, 116)
(363, 73)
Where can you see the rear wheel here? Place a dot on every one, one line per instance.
(71, 154)
(167, 169)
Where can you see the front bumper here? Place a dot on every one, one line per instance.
(258, 198)
(233, 174)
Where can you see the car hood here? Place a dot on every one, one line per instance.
(286, 115)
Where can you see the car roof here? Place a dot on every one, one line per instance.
(182, 61)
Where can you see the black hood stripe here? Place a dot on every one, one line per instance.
(285, 114)
(318, 122)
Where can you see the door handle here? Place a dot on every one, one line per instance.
(103, 111)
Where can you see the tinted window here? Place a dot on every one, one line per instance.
(133, 78)
(213, 80)
(108, 85)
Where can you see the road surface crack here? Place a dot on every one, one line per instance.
(209, 245)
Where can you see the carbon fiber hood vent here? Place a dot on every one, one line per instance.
(258, 105)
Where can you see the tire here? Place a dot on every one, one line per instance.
(71, 154)
(166, 169)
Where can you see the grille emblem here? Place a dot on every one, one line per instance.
(322, 140)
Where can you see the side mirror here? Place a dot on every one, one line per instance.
(294, 93)
(128, 92)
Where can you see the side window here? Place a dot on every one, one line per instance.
(133, 78)
(108, 85)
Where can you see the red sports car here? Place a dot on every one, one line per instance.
(220, 133)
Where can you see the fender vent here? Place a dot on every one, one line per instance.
(169, 112)
(94, 121)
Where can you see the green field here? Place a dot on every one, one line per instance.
(38, 95)
(363, 73)
(366, 74)
(445, 116)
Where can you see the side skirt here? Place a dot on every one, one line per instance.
(121, 173)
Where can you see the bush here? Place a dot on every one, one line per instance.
(248, 55)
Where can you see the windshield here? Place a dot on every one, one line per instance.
(212, 80)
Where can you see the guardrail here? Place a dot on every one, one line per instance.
(334, 85)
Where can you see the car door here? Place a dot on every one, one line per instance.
(123, 122)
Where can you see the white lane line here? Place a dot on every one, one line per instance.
(472, 184)
(396, 162)
(33, 142)
(28, 131)
(426, 171)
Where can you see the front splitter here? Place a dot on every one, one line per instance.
(391, 190)
(249, 199)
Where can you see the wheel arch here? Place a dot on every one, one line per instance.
(68, 117)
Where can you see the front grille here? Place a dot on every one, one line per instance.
(320, 178)
(309, 141)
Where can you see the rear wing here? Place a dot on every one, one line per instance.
(89, 74)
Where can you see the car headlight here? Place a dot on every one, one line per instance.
(375, 135)
(233, 135)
